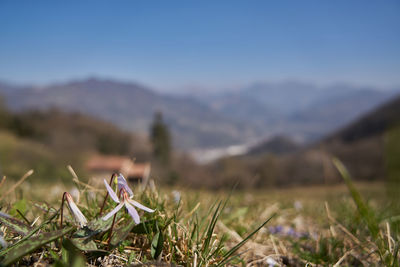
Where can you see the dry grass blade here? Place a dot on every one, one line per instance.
(344, 229)
(78, 182)
(389, 236)
(231, 232)
(192, 211)
(2, 181)
(23, 178)
(337, 264)
(73, 173)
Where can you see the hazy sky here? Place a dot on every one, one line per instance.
(172, 44)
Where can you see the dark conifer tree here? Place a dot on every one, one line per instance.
(160, 138)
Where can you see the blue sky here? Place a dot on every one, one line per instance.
(171, 45)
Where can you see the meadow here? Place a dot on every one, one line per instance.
(335, 225)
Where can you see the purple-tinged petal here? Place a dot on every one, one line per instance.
(122, 183)
(132, 212)
(115, 210)
(5, 215)
(111, 192)
(140, 206)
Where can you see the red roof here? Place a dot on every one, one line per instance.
(106, 163)
(120, 164)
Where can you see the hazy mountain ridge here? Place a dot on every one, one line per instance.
(368, 146)
(372, 124)
(131, 106)
(298, 110)
(278, 145)
(364, 145)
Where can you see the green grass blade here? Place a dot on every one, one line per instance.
(210, 229)
(226, 258)
(395, 262)
(204, 219)
(366, 213)
(157, 245)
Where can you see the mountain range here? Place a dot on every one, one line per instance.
(299, 110)
(369, 147)
(130, 106)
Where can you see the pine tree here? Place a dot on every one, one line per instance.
(4, 115)
(160, 138)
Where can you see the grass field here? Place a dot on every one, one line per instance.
(315, 225)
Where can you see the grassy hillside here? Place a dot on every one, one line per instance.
(47, 141)
(375, 123)
(17, 156)
(363, 144)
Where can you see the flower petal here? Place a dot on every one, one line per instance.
(115, 210)
(5, 215)
(111, 192)
(122, 183)
(76, 212)
(140, 206)
(3, 243)
(132, 212)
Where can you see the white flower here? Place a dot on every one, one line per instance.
(3, 243)
(126, 200)
(75, 211)
(177, 196)
(271, 262)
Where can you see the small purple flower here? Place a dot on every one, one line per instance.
(303, 235)
(276, 229)
(5, 215)
(126, 200)
(287, 231)
(122, 183)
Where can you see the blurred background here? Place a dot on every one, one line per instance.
(204, 95)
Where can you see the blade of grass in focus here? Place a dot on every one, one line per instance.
(228, 256)
(368, 215)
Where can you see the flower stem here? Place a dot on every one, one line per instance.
(62, 216)
(113, 222)
(62, 209)
(111, 231)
